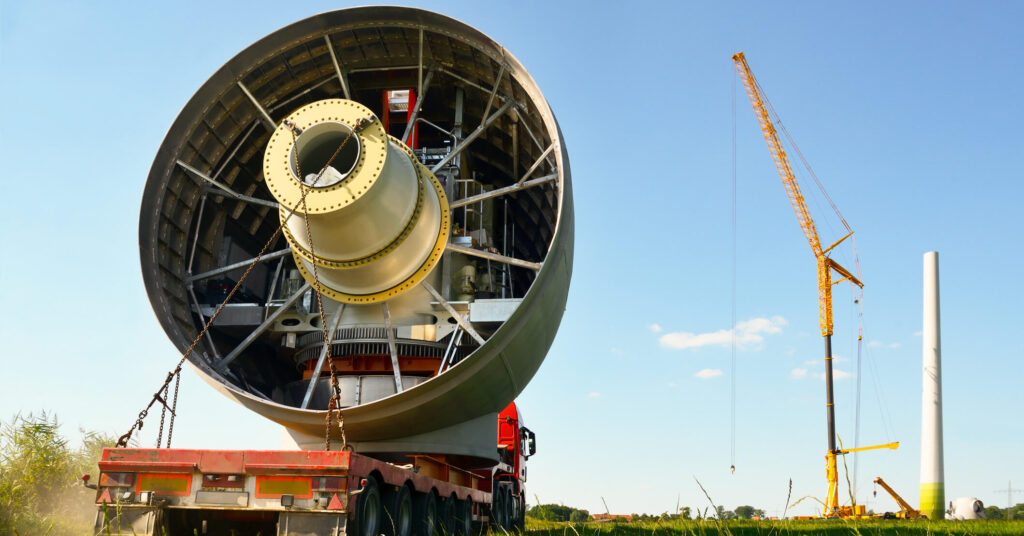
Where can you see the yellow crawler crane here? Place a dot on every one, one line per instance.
(826, 266)
(906, 511)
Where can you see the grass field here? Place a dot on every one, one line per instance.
(780, 528)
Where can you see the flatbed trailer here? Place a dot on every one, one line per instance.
(175, 491)
(167, 492)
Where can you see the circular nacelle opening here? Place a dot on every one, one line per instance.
(314, 149)
(513, 303)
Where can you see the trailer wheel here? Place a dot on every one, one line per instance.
(424, 514)
(464, 517)
(398, 513)
(446, 520)
(498, 498)
(368, 509)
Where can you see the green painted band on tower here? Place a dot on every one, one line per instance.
(933, 500)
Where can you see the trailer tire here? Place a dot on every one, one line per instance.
(499, 507)
(520, 522)
(368, 509)
(495, 507)
(424, 514)
(446, 520)
(398, 513)
(464, 518)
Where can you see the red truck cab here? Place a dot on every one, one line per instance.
(516, 444)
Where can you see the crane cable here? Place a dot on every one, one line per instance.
(732, 331)
(175, 374)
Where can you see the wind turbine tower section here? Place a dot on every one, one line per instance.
(932, 479)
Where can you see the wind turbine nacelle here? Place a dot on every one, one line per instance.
(965, 509)
(406, 166)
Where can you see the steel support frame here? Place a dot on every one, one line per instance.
(519, 186)
(424, 86)
(313, 380)
(224, 188)
(473, 135)
(240, 264)
(536, 163)
(535, 266)
(392, 347)
(337, 68)
(267, 120)
(462, 322)
(223, 363)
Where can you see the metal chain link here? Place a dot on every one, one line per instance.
(163, 413)
(335, 401)
(174, 409)
(123, 440)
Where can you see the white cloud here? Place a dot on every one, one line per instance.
(593, 394)
(655, 328)
(874, 344)
(917, 333)
(894, 345)
(836, 375)
(820, 362)
(707, 373)
(671, 385)
(749, 334)
(801, 373)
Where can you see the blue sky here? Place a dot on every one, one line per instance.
(909, 114)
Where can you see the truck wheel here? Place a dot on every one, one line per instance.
(398, 513)
(464, 518)
(520, 522)
(506, 508)
(424, 514)
(368, 509)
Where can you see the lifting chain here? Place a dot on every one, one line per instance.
(161, 393)
(335, 401)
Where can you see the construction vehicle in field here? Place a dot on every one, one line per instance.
(906, 511)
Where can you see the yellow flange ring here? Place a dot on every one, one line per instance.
(411, 281)
(285, 186)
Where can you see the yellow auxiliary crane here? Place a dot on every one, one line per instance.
(906, 511)
(826, 266)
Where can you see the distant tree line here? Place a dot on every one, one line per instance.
(997, 513)
(557, 512)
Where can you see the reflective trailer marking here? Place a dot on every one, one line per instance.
(270, 487)
(176, 484)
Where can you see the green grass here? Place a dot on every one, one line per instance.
(781, 528)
